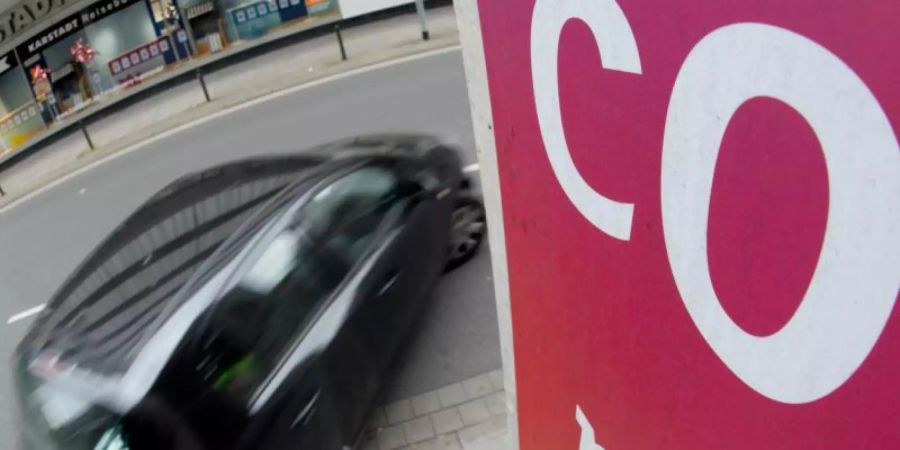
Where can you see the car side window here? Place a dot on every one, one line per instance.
(256, 321)
(291, 278)
(346, 215)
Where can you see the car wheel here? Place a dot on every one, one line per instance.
(469, 228)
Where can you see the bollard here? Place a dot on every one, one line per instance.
(203, 85)
(337, 31)
(87, 137)
(423, 23)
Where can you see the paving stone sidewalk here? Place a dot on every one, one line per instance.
(468, 415)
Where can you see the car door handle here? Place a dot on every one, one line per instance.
(307, 412)
(389, 281)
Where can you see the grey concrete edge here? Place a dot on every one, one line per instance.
(469, 24)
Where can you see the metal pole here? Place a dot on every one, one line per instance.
(203, 85)
(420, 10)
(87, 137)
(337, 31)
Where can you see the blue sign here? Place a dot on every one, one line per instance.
(286, 10)
(293, 10)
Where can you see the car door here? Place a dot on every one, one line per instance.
(374, 225)
(349, 219)
(419, 227)
(400, 237)
(246, 395)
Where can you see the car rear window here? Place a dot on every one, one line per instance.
(54, 416)
(55, 419)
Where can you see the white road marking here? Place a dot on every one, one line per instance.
(25, 314)
(231, 110)
(470, 168)
(81, 191)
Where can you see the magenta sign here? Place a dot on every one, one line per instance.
(702, 220)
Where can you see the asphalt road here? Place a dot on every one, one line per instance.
(43, 238)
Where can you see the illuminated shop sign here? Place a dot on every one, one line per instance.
(25, 14)
(70, 25)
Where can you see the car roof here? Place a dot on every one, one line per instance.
(139, 275)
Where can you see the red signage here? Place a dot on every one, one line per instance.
(702, 219)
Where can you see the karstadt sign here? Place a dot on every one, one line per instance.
(701, 209)
(71, 24)
(25, 14)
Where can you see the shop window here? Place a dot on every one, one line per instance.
(116, 34)
(14, 90)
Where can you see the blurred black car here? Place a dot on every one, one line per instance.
(254, 305)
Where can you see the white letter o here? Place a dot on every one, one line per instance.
(855, 283)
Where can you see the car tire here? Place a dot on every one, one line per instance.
(469, 228)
